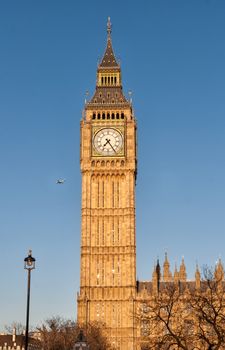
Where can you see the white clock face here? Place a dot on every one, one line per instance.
(108, 141)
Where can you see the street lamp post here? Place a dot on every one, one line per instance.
(81, 343)
(29, 264)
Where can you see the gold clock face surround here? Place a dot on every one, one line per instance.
(108, 141)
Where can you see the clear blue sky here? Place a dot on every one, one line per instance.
(172, 54)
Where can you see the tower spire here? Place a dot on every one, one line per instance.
(182, 272)
(158, 274)
(109, 59)
(109, 28)
(109, 81)
(167, 276)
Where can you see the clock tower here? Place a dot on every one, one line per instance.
(108, 163)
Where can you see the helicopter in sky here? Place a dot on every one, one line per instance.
(60, 181)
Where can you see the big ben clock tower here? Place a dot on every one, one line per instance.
(108, 244)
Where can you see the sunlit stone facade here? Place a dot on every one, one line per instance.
(108, 166)
(109, 291)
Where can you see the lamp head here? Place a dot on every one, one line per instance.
(29, 261)
(81, 342)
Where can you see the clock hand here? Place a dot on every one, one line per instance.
(107, 141)
(111, 146)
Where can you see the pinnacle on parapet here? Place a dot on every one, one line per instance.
(219, 271)
(156, 276)
(182, 272)
(157, 269)
(197, 277)
(167, 275)
(176, 276)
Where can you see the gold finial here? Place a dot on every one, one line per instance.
(130, 95)
(109, 27)
(86, 94)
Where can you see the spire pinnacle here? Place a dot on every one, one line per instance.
(109, 60)
(157, 269)
(167, 276)
(176, 274)
(109, 28)
(158, 275)
(197, 277)
(166, 257)
(183, 274)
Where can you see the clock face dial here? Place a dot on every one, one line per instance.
(108, 141)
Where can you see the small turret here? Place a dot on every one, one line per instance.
(197, 278)
(156, 275)
(219, 271)
(154, 280)
(182, 272)
(176, 276)
(14, 335)
(167, 275)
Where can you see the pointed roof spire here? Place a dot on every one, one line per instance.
(109, 60)
(197, 277)
(109, 28)
(167, 276)
(182, 273)
(176, 274)
(219, 271)
(157, 276)
(166, 262)
(197, 272)
(157, 270)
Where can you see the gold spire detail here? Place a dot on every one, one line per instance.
(109, 28)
